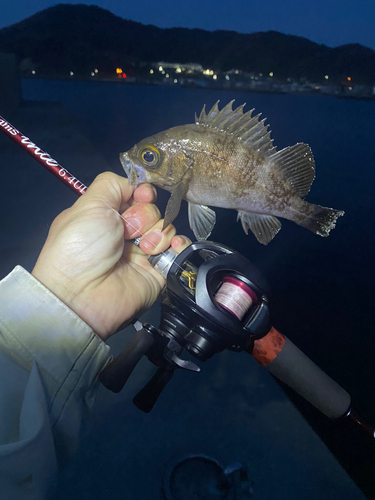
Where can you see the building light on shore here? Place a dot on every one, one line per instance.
(151, 71)
(349, 79)
(260, 74)
(92, 73)
(350, 88)
(175, 80)
(227, 77)
(178, 70)
(71, 73)
(167, 76)
(96, 71)
(326, 77)
(215, 77)
(118, 71)
(271, 73)
(237, 71)
(160, 68)
(33, 72)
(163, 72)
(208, 72)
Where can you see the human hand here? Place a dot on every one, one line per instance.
(87, 264)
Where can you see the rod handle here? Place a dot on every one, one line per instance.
(290, 365)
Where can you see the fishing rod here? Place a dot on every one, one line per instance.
(214, 299)
(42, 157)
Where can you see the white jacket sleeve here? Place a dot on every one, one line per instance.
(49, 363)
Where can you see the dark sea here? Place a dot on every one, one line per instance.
(323, 289)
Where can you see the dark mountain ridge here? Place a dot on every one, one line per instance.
(80, 38)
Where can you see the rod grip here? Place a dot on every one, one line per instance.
(290, 365)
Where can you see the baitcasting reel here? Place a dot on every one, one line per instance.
(214, 299)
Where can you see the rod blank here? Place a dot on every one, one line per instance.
(42, 157)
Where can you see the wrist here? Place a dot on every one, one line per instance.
(62, 287)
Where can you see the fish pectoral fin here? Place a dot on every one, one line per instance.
(264, 227)
(202, 220)
(174, 202)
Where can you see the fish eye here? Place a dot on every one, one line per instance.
(150, 156)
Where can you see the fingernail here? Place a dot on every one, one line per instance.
(132, 225)
(178, 241)
(152, 240)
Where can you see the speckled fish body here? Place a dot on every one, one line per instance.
(227, 159)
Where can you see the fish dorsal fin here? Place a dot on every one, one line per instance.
(264, 227)
(247, 128)
(298, 166)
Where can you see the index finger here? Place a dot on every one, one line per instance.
(145, 193)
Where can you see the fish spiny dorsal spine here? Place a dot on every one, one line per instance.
(247, 128)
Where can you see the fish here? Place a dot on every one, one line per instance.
(227, 159)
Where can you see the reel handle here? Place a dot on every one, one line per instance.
(116, 374)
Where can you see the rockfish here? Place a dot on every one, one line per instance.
(227, 159)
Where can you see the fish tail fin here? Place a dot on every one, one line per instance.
(321, 220)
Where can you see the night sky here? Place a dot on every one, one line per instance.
(332, 22)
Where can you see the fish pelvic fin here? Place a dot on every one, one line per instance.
(264, 227)
(202, 220)
(247, 128)
(322, 220)
(297, 165)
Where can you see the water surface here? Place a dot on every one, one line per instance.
(323, 288)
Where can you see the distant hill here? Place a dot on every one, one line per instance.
(80, 38)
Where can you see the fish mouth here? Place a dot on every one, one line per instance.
(134, 173)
